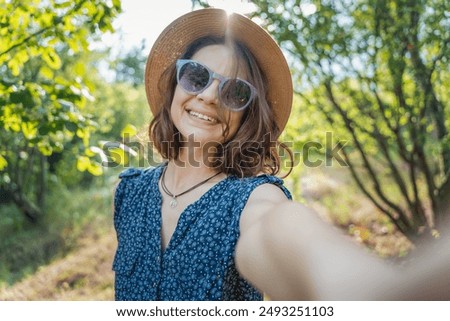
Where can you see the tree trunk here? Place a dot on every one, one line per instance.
(32, 212)
(41, 191)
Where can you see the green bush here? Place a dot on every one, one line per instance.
(72, 213)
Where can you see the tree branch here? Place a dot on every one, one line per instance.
(368, 166)
(57, 21)
(398, 223)
(423, 78)
(37, 33)
(416, 207)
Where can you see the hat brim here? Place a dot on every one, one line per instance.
(173, 41)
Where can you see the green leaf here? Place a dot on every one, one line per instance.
(72, 127)
(80, 68)
(95, 169)
(128, 131)
(14, 66)
(3, 163)
(46, 19)
(117, 4)
(21, 56)
(119, 156)
(45, 148)
(81, 133)
(83, 163)
(46, 72)
(51, 58)
(29, 130)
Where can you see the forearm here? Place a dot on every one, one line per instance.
(290, 254)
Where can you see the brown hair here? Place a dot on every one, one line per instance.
(253, 149)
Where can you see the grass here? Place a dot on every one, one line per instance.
(72, 215)
(334, 195)
(84, 274)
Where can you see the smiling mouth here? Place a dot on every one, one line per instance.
(202, 116)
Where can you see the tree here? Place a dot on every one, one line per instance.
(378, 72)
(129, 66)
(43, 90)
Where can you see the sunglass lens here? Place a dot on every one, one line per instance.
(193, 77)
(235, 94)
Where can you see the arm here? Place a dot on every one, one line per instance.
(286, 251)
(290, 254)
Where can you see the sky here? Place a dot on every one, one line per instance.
(147, 19)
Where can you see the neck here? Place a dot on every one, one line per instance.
(195, 155)
(189, 168)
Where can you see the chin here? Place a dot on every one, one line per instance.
(199, 136)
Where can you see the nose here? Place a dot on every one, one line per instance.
(211, 94)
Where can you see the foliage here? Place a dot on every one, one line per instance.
(129, 67)
(377, 70)
(78, 203)
(44, 91)
(75, 213)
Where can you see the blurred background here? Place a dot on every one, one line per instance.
(369, 127)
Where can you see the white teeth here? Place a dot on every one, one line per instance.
(201, 116)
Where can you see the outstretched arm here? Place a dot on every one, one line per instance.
(286, 251)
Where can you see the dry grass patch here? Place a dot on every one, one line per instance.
(85, 274)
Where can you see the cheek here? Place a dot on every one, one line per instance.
(179, 98)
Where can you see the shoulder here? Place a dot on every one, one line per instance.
(254, 182)
(268, 187)
(262, 187)
(138, 174)
(268, 193)
(134, 184)
(130, 173)
(131, 178)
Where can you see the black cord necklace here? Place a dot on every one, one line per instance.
(174, 202)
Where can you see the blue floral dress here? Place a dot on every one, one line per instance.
(198, 264)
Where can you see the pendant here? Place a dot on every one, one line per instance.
(173, 202)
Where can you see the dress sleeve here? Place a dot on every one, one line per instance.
(120, 193)
(278, 182)
(118, 199)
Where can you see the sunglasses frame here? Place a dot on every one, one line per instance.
(213, 75)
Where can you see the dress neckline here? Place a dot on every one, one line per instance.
(186, 210)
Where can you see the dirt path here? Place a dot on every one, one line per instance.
(85, 274)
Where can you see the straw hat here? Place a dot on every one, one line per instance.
(173, 41)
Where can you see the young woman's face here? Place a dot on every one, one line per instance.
(197, 116)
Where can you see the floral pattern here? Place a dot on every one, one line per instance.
(198, 264)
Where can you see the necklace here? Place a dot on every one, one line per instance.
(174, 202)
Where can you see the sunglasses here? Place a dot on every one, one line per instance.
(234, 93)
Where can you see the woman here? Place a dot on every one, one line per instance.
(221, 92)
(213, 222)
